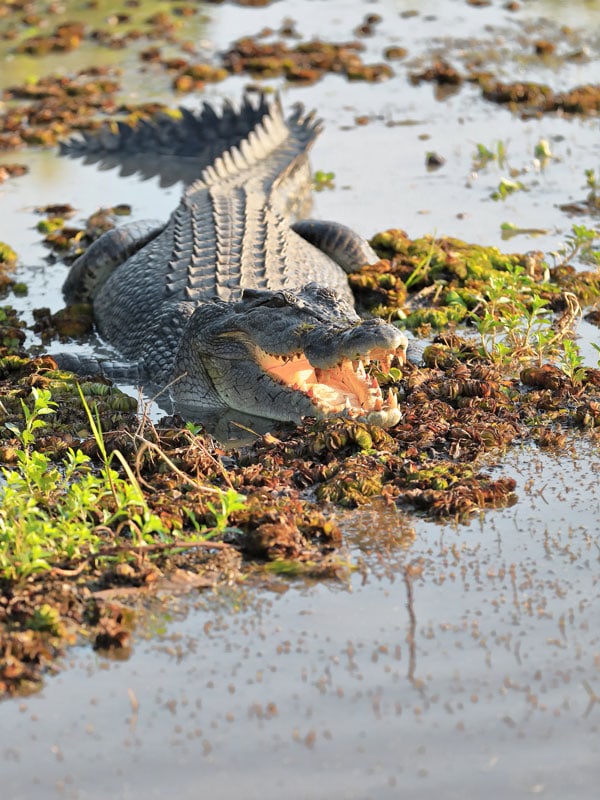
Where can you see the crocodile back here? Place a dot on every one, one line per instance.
(231, 231)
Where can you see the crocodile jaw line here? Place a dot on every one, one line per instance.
(345, 389)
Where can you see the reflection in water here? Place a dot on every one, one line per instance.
(231, 427)
(412, 625)
(169, 169)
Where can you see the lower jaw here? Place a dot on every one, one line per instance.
(384, 418)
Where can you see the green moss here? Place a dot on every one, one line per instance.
(446, 256)
(50, 225)
(436, 318)
(8, 257)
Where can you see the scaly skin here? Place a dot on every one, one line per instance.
(230, 302)
(322, 338)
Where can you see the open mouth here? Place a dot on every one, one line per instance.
(343, 389)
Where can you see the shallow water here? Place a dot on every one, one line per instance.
(467, 663)
(464, 664)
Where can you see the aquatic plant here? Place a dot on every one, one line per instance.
(579, 243)
(323, 180)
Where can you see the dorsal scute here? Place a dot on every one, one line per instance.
(265, 136)
(208, 144)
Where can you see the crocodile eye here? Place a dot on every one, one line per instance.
(280, 299)
(254, 298)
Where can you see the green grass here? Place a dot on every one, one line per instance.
(47, 513)
(56, 513)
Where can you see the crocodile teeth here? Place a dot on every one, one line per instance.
(345, 389)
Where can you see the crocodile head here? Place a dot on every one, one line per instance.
(285, 355)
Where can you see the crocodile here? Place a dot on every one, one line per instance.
(234, 302)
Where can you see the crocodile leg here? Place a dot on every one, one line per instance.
(343, 245)
(104, 255)
(120, 371)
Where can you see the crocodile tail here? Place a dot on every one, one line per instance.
(273, 138)
(182, 145)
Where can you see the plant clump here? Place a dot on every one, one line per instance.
(193, 77)
(536, 97)
(65, 37)
(306, 62)
(440, 72)
(8, 261)
(69, 241)
(525, 97)
(8, 171)
(73, 322)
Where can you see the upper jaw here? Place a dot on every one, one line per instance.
(369, 340)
